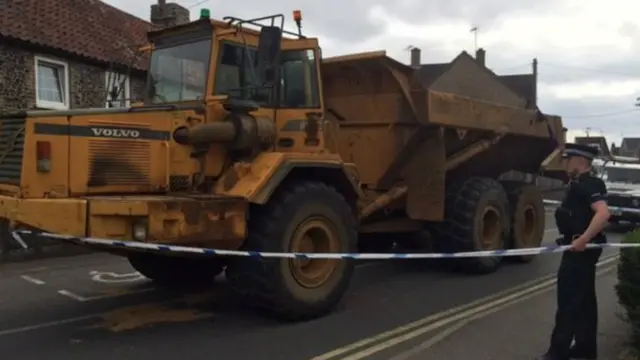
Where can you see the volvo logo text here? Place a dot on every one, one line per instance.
(116, 133)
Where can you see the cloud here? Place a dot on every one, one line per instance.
(586, 49)
(594, 90)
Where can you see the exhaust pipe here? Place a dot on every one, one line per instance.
(240, 131)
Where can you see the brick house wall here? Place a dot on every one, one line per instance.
(87, 82)
(80, 42)
(85, 39)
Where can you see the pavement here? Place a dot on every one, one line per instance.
(96, 307)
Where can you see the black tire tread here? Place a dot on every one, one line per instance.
(257, 280)
(456, 232)
(515, 190)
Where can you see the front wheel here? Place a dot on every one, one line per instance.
(307, 217)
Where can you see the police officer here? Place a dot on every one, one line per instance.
(580, 220)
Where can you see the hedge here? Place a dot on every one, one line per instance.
(628, 287)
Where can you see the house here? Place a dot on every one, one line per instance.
(597, 141)
(69, 54)
(481, 83)
(630, 146)
(512, 90)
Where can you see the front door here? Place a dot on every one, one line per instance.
(300, 108)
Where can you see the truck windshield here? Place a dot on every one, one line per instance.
(625, 175)
(179, 72)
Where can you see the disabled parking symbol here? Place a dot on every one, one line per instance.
(109, 277)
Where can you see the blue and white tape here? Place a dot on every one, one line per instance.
(160, 248)
(186, 250)
(552, 202)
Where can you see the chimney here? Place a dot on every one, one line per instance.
(164, 15)
(481, 57)
(415, 57)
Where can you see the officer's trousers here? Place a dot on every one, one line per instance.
(577, 313)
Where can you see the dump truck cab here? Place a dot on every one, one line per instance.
(219, 63)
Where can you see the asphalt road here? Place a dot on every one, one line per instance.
(95, 307)
(516, 331)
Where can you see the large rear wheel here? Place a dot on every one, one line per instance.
(476, 219)
(527, 217)
(307, 217)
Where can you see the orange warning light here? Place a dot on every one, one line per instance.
(297, 15)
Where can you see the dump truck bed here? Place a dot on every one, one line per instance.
(430, 103)
(381, 106)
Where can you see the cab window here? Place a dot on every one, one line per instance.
(299, 79)
(235, 74)
(179, 72)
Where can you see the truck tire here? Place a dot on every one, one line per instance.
(527, 217)
(301, 217)
(172, 271)
(476, 219)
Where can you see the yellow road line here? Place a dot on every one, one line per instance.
(494, 300)
(466, 317)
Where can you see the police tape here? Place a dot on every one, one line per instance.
(614, 209)
(552, 202)
(187, 250)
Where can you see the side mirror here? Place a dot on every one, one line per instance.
(268, 56)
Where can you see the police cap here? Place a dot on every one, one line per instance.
(585, 151)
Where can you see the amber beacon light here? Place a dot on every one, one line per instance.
(297, 17)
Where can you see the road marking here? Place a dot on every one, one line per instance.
(81, 298)
(32, 280)
(48, 324)
(188, 299)
(456, 327)
(72, 295)
(477, 305)
(471, 315)
(419, 330)
(333, 353)
(109, 277)
(80, 262)
(431, 342)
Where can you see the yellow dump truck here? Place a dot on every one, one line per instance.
(248, 139)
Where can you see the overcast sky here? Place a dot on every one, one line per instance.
(588, 50)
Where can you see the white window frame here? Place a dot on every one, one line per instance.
(54, 105)
(127, 87)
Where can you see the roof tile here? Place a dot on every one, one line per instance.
(522, 84)
(89, 28)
